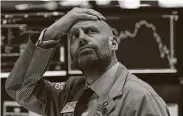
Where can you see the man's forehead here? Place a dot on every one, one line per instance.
(100, 24)
(83, 23)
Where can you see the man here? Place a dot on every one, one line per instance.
(107, 88)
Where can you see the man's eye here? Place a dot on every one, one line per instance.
(74, 36)
(90, 31)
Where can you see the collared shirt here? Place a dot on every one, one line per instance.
(100, 85)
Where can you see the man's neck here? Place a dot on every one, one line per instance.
(93, 74)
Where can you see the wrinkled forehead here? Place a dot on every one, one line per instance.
(83, 23)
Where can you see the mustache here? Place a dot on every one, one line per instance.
(84, 47)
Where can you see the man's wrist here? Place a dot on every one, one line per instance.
(49, 34)
(41, 36)
(46, 43)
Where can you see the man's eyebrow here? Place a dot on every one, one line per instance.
(73, 29)
(70, 33)
(91, 26)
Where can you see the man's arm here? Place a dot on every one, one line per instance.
(26, 75)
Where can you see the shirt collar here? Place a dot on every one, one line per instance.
(103, 82)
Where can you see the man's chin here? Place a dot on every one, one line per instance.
(87, 60)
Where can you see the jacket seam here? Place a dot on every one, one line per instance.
(144, 87)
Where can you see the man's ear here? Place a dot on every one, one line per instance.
(114, 42)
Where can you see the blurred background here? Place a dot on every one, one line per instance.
(149, 31)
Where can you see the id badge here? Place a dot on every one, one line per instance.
(68, 109)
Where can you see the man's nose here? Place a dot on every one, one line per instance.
(82, 39)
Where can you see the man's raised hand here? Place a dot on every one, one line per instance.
(62, 26)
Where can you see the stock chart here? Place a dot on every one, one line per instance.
(146, 42)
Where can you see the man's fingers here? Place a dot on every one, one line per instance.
(86, 16)
(98, 14)
(90, 12)
(93, 12)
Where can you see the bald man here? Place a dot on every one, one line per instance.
(107, 88)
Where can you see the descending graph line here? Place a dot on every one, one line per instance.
(164, 51)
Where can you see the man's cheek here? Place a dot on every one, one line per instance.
(72, 48)
(72, 53)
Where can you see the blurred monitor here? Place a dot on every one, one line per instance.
(15, 31)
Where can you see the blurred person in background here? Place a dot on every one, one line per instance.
(107, 87)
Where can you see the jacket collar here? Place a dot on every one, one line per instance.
(102, 83)
(106, 101)
(111, 83)
(116, 87)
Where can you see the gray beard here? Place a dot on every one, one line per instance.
(92, 62)
(87, 61)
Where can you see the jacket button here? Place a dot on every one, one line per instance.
(104, 111)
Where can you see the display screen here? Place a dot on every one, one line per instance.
(15, 31)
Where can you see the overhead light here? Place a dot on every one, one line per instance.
(74, 3)
(46, 0)
(51, 5)
(170, 3)
(103, 2)
(22, 6)
(129, 4)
